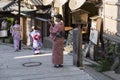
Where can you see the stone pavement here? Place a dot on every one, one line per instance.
(14, 64)
(24, 65)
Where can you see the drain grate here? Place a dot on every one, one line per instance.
(31, 64)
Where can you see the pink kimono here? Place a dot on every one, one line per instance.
(57, 48)
(16, 34)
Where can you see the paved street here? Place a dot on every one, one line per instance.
(24, 65)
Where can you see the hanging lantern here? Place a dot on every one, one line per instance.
(47, 2)
(74, 4)
(59, 3)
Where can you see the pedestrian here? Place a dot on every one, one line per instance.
(35, 40)
(15, 30)
(4, 25)
(56, 34)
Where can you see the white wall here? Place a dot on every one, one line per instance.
(111, 16)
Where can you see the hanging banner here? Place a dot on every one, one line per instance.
(74, 4)
(47, 2)
(59, 3)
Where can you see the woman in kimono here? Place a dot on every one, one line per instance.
(35, 38)
(16, 34)
(4, 24)
(56, 34)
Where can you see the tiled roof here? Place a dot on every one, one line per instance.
(4, 4)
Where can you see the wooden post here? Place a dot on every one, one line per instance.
(79, 62)
(77, 46)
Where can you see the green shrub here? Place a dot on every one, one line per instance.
(104, 65)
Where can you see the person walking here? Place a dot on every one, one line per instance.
(16, 34)
(4, 25)
(56, 34)
(35, 39)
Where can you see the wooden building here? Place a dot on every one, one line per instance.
(32, 12)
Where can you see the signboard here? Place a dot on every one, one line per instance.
(94, 36)
(3, 33)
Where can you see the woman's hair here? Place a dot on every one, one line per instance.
(16, 19)
(59, 16)
(34, 27)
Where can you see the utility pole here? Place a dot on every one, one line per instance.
(19, 7)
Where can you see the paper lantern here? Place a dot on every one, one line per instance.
(47, 2)
(58, 3)
(74, 4)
